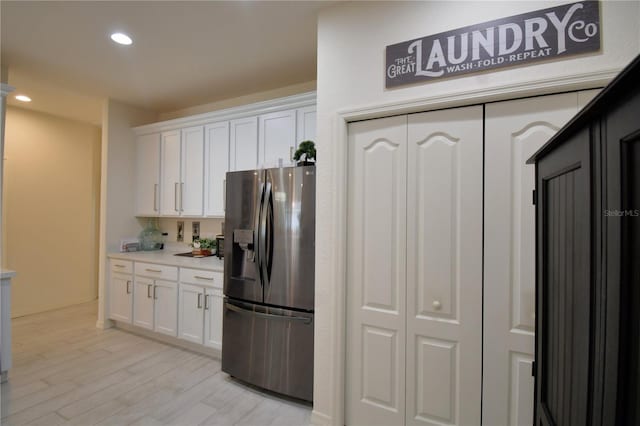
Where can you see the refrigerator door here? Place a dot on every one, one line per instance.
(287, 232)
(244, 195)
(269, 347)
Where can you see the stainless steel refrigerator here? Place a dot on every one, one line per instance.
(269, 266)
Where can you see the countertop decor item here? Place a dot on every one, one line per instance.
(204, 246)
(151, 236)
(306, 149)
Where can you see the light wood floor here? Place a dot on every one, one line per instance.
(67, 372)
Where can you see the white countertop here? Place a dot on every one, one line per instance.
(6, 273)
(164, 257)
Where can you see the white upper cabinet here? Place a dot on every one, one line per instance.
(170, 176)
(148, 175)
(182, 176)
(216, 154)
(192, 172)
(243, 144)
(306, 124)
(277, 138)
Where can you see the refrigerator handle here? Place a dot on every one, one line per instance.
(256, 233)
(305, 320)
(263, 235)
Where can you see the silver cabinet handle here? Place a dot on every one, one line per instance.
(206, 302)
(128, 287)
(175, 196)
(155, 296)
(119, 266)
(268, 316)
(202, 278)
(181, 195)
(155, 197)
(149, 291)
(199, 300)
(153, 270)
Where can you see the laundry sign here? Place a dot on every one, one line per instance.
(545, 34)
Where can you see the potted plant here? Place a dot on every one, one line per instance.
(308, 150)
(203, 246)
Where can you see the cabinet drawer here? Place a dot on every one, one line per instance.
(197, 276)
(157, 271)
(122, 266)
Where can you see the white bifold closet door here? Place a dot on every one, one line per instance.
(514, 131)
(414, 297)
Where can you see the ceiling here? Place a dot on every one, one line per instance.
(183, 53)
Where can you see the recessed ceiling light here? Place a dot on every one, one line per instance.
(23, 98)
(121, 38)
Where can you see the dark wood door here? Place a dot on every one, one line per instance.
(564, 284)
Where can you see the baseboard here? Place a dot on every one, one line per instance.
(103, 325)
(169, 340)
(318, 418)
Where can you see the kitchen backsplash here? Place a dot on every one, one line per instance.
(209, 228)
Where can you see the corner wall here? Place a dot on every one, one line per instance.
(51, 194)
(351, 45)
(117, 201)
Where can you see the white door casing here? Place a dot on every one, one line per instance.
(444, 267)
(375, 374)
(514, 131)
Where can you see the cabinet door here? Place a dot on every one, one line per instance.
(306, 124)
(213, 318)
(143, 303)
(120, 297)
(243, 144)
(216, 167)
(191, 313)
(170, 174)
(148, 175)
(377, 235)
(165, 294)
(444, 267)
(192, 172)
(277, 137)
(514, 130)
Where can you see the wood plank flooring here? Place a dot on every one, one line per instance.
(67, 372)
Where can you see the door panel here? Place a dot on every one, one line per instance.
(213, 318)
(243, 144)
(514, 130)
(143, 303)
(306, 124)
(375, 378)
(241, 275)
(165, 295)
(148, 175)
(192, 181)
(277, 136)
(216, 167)
(170, 173)
(191, 313)
(120, 297)
(444, 268)
(289, 219)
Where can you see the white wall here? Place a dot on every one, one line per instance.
(51, 195)
(351, 44)
(117, 203)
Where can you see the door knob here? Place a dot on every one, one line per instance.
(436, 305)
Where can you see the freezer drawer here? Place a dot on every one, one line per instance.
(269, 347)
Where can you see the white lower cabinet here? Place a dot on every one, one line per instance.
(143, 303)
(213, 318)
(155, 305)
(191, 320)
(121, 290)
